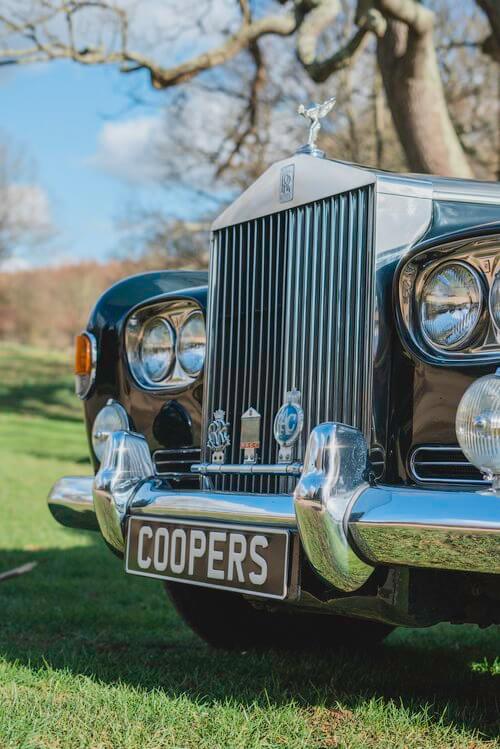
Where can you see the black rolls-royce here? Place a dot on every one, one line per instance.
(304, 443)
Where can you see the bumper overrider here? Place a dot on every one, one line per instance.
(347, 526)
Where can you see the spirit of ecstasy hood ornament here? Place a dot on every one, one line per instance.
(315, 114)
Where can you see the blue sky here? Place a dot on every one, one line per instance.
(66, 117)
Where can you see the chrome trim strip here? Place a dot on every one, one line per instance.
(478, 193)
(71, 504)
(249, 469)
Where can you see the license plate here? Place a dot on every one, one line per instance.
(242, 559)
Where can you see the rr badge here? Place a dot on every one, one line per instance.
(288, 424)
(218, 436)
(250, 435)
(287, 176)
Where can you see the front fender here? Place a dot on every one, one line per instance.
(112, 379)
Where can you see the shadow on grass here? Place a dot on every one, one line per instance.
(78, 611)
(49, 400)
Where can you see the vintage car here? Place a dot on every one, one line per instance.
(304, 443)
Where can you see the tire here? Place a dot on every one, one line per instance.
(229, 622)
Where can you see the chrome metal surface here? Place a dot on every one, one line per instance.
(175, 314)
(85, 383)
(443, 464)
(250, 435)
(340, 517)
(156, 498)
(451, 530)
(466, 191)
(482, 256)
(70, 502)
(249, 469)
(287, 426)
(291, 307)
(334, 475)
(314, 179)
(315, 114)
(126, 463)
(218, 436)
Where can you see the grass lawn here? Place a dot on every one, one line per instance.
(92, 658)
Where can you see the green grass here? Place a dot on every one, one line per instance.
(90, 657)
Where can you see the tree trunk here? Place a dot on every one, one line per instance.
(408, 63)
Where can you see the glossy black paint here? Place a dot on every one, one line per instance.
(424, 398)
(165, 420)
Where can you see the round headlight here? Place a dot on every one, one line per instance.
(157, 349)
(111, 418)
(495, 301)
(451, 305)
(478, 424)
(192, 343)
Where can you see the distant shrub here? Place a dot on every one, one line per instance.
(48, 306)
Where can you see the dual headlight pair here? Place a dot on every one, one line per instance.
(167, 348)
(452, 301)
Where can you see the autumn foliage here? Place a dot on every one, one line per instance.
(49, 306)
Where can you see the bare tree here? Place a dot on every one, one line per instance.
(400, 32)
(24, 210)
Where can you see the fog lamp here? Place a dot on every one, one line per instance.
(478, 426)
(111, 418)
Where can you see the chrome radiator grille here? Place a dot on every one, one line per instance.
(291, 306)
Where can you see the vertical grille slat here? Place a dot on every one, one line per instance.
(290, 305)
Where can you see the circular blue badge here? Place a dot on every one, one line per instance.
(288, 424)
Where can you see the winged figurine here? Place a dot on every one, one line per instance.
(315, 114)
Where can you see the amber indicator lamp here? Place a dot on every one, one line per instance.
(83, 355)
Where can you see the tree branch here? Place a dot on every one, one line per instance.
(320, 17)
(129, 61)
(412, 13)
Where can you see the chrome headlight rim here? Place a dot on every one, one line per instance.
(196, 313)
(175, 312)
(482, 252)
(148, 325)
(474, 330)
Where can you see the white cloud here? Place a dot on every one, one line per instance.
(128, 149)
(26, 207)
(14, 264)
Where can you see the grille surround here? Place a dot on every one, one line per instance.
(290, 305)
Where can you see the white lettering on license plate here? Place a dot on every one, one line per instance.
(176, 552)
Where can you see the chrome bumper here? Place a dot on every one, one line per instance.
(347, 526)
(71, 502)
